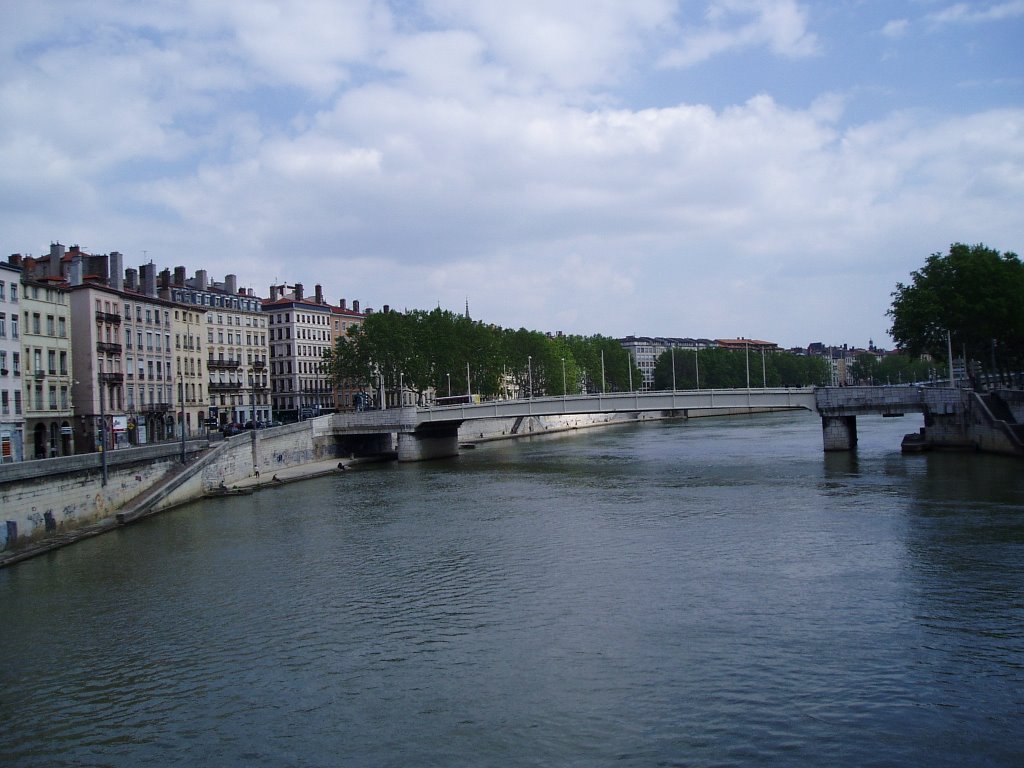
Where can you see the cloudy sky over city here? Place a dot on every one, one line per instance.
(710, 168)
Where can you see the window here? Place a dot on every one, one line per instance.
(128, 338)
(2, 298)
(14, 298)
(14, 326)
(63, 363)
(3, 325)
(62, 327)
(49, 325)
(53, 398)
(3, 362)
(17, 401)
(51, 360)
(16, 360)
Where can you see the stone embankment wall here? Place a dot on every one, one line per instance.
(58, 496)
(61, 494)
(504, 429)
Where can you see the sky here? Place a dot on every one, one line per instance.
(709, 168)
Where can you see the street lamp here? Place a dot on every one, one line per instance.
(696, 366)
(449, 384)
(602, 372)
(563, 378)
(629, 368)
(181, 377)
(103, 427)
(672, 352)
(529, 376)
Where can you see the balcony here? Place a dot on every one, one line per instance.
(107, 348)
(155, 408)
(112, 378)
(39, 375)
(259, 365)
(223, 364)
(220, 386)
(108, 317)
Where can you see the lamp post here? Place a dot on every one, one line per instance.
(449, 384)
(696, 366)
(103, 427)
(181, 377)
(764, 374)
(529, 376)
(672, 352)
(629, 368)
(746, 347)
(563, 378)
(602, 372)
(469, 390)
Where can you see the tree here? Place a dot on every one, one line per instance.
(975, 295)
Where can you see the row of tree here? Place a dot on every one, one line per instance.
(970, 300)
(726, 368)
(455, 355)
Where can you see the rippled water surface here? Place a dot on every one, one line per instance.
(717, 592)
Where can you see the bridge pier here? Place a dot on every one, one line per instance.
(422, 446)
(839, 432)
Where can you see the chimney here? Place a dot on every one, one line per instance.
(201, 280)
(56, 254)
(14, 260)
(231, 284)
(355, 305)
(386, 309)
(131, 279)
(116, 270)
(179, 277)
(75, 273)
(147, 279)
(273, 293)
(343, 305)
(165, 279)
(319, 294)
(298, 291)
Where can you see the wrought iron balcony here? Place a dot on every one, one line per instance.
(108, 348)
(224, 386)
(112, 378)
(258, 365)
(108, 317)
(223, 364)
(155, 408)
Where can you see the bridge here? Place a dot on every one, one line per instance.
(433, 432)
(951, 415)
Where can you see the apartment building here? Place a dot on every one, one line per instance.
(301, 331)
(47, 368)
(645, 351)
(12, 418)
(122, 389)
(235, 333)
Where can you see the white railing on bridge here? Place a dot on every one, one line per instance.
(623, 402)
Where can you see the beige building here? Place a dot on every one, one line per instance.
(47, 369)
(234, 333)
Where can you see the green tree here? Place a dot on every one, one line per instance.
(973, 293)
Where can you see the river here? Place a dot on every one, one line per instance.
(715, 592)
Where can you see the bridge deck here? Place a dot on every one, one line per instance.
(623, 402)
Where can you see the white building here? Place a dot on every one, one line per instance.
(12, 418)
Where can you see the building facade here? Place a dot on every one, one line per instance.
(302, 330)
(234, 331)
(47, 369)
(12, 417)
(645, 351)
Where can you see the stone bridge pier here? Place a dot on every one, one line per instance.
(839, 433)
(439, 440)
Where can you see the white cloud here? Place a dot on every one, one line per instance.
(896, 28)
(470, 151)
(779, 25)
(978, 12)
